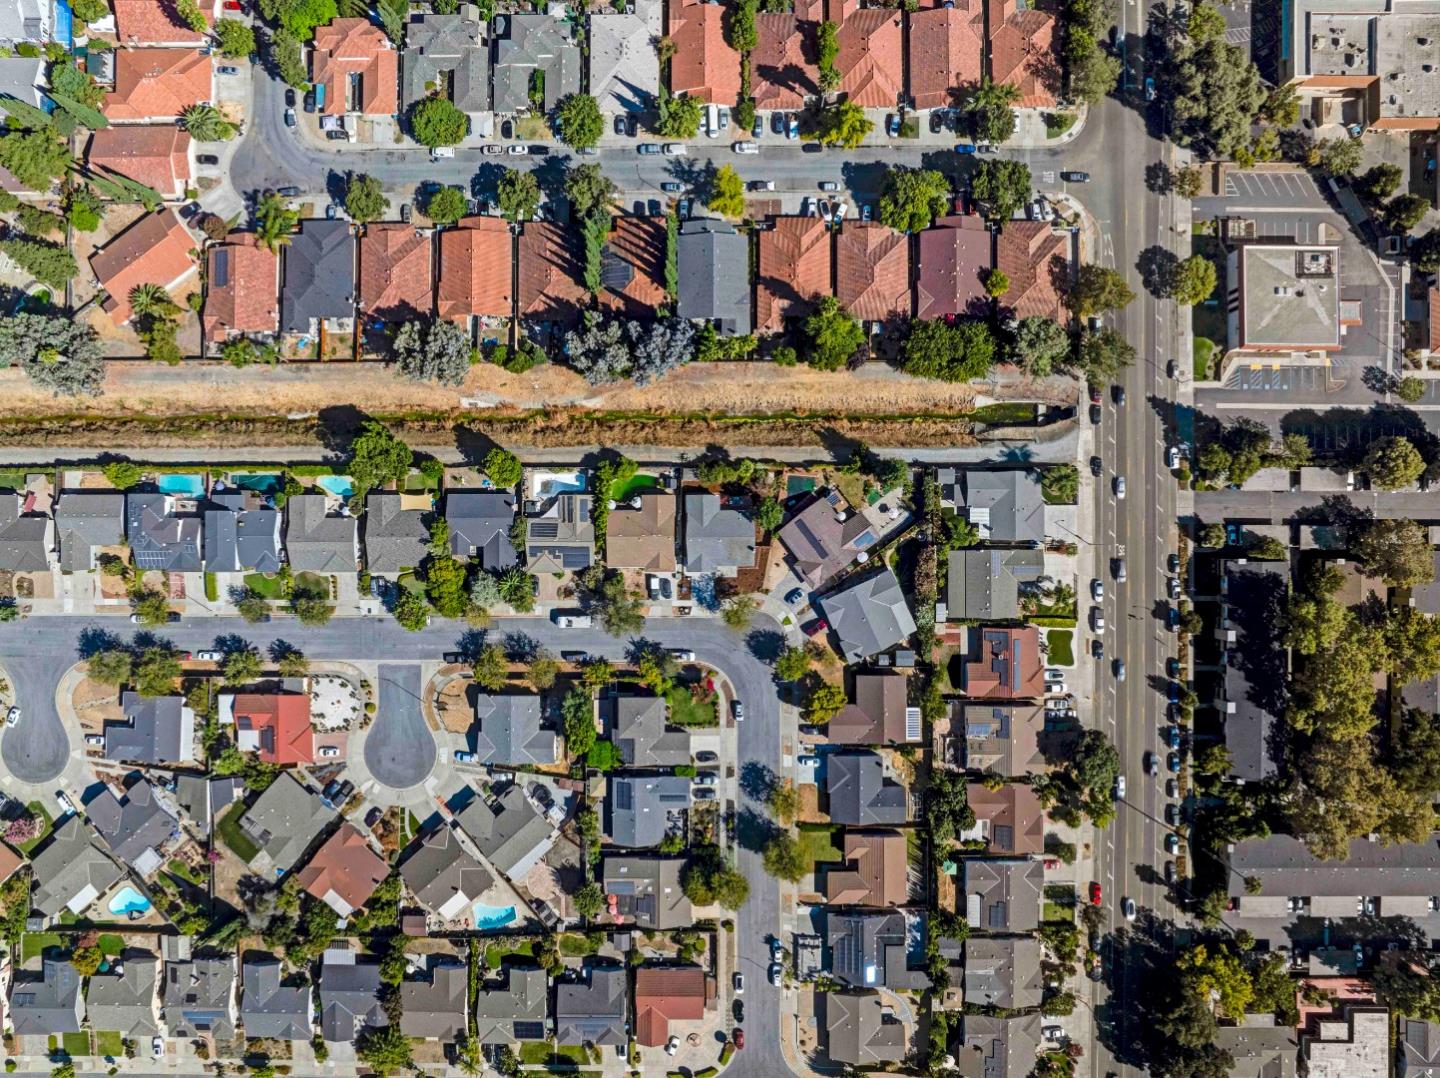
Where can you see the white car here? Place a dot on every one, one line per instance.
(157, 1046)
(1097, 589)
(738, 709)
(1120, 487)
(1097, 619)
(61, 799)
(12, 717)
(1054, 674)
(840, 211)
(672, 1045)
(1128, 907)
(776, 975)
(517, 151)
(737, 983)
(674, 149)
(95, 740)
(326, 751)
(1056, 688)
(1172, 457)
(746, 146)
(210, 656)
(1119, 787)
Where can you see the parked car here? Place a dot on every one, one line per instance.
(738, 710)
(632, 124)
(672, 1045)
(157, 1046)
(1172, 813)
(746, 146)
(1097, 620)
(1149, 88)
(675, 149)
(308, 101)
(12, 717)
(1071, 176)
(738, 1036)
(1172, 761)
(829, 185)
(1172, 788)
(1172, 584)
(517, 150)
(230, 69)
(1172, 457)
(337, 134)
(96, 740)
(1172, 667)
(1127, 906)
(737, 1010)
(490, 149)
(762, 185)
(1097, 648)
(373, 816)
(670, 185)
(866, 211)
(1054, 674)
(206, 159)
(703, 794)
(815, 628)
(777, 975)
(1172, 843)
(792, 130)
(462, 757)
(757, 128)
(329, 752)
(406, 212)
(892, 125)
(289, 191)
(777, 949)
(1172, 563)
(290, 120)
(572, 621)
(1095, 414)
(1097, 589)
(795, 596)
(705, 756)
(648, 148)
(1095, 893)
(965, 148)
(63, 800)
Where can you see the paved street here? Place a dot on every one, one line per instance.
(399, 750)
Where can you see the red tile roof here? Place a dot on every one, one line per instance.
(280, 723)
(1433, 310)
(551, 274)
(348, 47)
(157, 155)
(794, 268)
(154, 250)
(345, 867)
(242, 288)
(947, 49)
(872, 271)
(1036, 259)
(477, 263)
(782, 66)
(666, 995)
(870, 59)
(395, 271)
(1025, 53)
(156, 22)
(1006, 664)
(639, 244)
(704, 64)
(158, 84)
(951, 258)
(9, 862)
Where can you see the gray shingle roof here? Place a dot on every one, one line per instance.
(509, 731)
(639, 807)
(203, 799)
(1256, 665)
(395, 538)
(647, 891)
(1002, 737)
(25, 20)
(84, 521)
(271, 1008)
(871, 950)
(25, 538)
(480, 522)
(199, 997)
(515, 1009)
(442, 876)
(1007, 506)
(984, 584)
(349, 995)
(238, 538)
(71, 871)
(561, 537)
(21, 77)
(319, 275)
(435, 1007)
(639, 729)
(49, 1002)
(860, 1031)
(717, 540)
(525, 44)
(1003, 896)
(819, 544)
(159, 540)
(860, 793)
(285, 820)
(125, 1003)
(509, 830)
(317, 543)
(998, 1047)
(441, 49)
(156, 730)
(1002, 972)
(869, 615)
(1262, 1049)
(134, 824)
(624, 70)
(714, 267)
(594, 1010)
(1286, 868)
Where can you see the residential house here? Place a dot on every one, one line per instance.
(669, 994)
(998, 1047)
(879, 714)
(1010, 820)
(241, 534)
(434, 1007)
(510, 730)
(823, 537)
(480, 525)
(869, 616)
(242, 289)
(444, 878)
(1295, 883)
(954, 256)
(274, 725)
(871, 950)
(202, 799)
(560, 537)
(1004, 664)
(199, 997)
(354, 68)
(704, 64)
(872, 261)
(318, 283)
(1419, 1048)
(26, 20)
(157, 155)
(10, 862)
(624, 70)
(395, 272)
(640, 729)
(870, 60)
(137, 827)
(872, 870)
(508, 830)
(70, 871)
(861, 1031)
(514, 1009)
(1003, 972)
(159, 538)
(645, 892)
(153, 85)
(144, 22)
(284, 821)
(26, 539)
(1355, 1044)
(154, 250)
(1264, 1049)
(344, 871)
(23, 78)
(396, 538)
(593, 1010)
(49, 1003)
(1003, 895)
(447, 55)
(85, 522)
(318, 542)
(537, 62)
(861, 793)
(1253, 697)
(552, 273)
(718, 540)
(271, 1008)
(783, 63)
(123, 999)
(712, 262)
(643, 809)
(1024, 52)
(795, 260)
(632, 267)
(642, 536)
(350, 991)
(477, 270)
(983, 583)
(1005, 506)
(1002, 738)
(947, 54)
(1036, 259)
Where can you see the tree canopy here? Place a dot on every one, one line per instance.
(955, 352)
(581, 124)
(365, 199)
(911, 198)
(1001, 186)
(377, 457)
(433, 351)
(833, 333)
(518, 195)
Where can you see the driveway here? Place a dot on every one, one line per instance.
(399, 750)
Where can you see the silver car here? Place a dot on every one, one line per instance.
(1120, 487)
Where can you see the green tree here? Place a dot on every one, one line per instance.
(156, 671)
(783, 800)
(446, 205)
(88, 11)
(242, 666)
(578, 712)
(542, 671)
(518, 194)
(35, 158)
(997, 283)
(152, 608)
(1396, 550)
(206, 123)
(285, 53)
(709, 878)
(727, 193)
(989, 108)
(911, 198)
(110, 667)
(792, 664)
(1098, 289)
(83, 208)
(843, 125)
(1215, 91)
(1404, 212)
(411, 611)
(581, 124)
(435, 121)
(445, 586)
(275, 221)
(947, 810)
(59, 353)
(589, 190)
(385, 1048)
(1193, 280)
(679, 116)
(1393, 463)
(589, 900)
(1410, 389)
(492, 668)
(1001, 186)
(1338, 156)
(517, 588)
(825, 702)
(86, 960)
(376, 457)
(783, 858)
(1425, 251)
(1187, 181)
(48, 263)
(619, 610)
(953, 353)
(235, 38)
(503, 467)
(1379, 182)
(770, 514)
(432, 351)
(834, 335)
(1041, 345)
(829, 51)
(1215, 974)
(737, 611)
(365, 199)
(1281, 106)
(742, 34)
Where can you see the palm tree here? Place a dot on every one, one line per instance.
(206, 123)
(151, 301)
(274, 221)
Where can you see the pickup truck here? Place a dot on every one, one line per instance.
(572, 620)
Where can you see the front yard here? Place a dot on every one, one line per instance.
(690, 710)
(817, 843)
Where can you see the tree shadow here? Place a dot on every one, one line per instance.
(765, 644)
(757, 780)
(1158, 177)
(232, 643)
(470, 643)
(336, 427)
(520, 647)
(754, 832)
(279, 649)
(1157, 266)
(93, 639)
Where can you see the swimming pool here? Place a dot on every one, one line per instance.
(260, 482)
(188, 484)
(338, 485)
(493, 916)
(128, 900)
(549, 484)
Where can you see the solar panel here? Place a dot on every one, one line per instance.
(221, 275)
(624, 797)
(544, 529)
(529, 1031)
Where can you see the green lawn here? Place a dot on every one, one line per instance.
(229, 830)
(110, 945)
(1004, 413)
(574, 945)
(311, 585)
(1052, 912)
(76, 1044)
(1061, 646)
(12, 481)
(265, 585)
(212, 587)
(686, 710)
(37, 809)
(1202, 349)
(634, 485)
(185, 872)
(817, 842)
(542, 1052)
(109, 1043)
(33, 944)
(496, 953)
(1209, 318)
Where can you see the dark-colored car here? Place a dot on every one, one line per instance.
(206, 159)
(1172, 691)
(289, 97)
(619, 125)
(1118, 394)
(811, 147)
(405, 212)
(373, 816)
(289, 191)
(1097, 466)
(309, 100)
(336, 135)
(1172, 762)
(738, 1037)
(290, 120)
(1097, 648)
(1075, 177)
(632, 124)
(1095, 414)
(648, 148)
(1172, 666)
(1172, 563)
(738, 1010)
(777, 122)
(937, 121)
(1170, 872)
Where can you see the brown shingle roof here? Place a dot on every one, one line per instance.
(156, 22)
(782, 64)
(947, 49)
(873, 872)
(158, 84)
(395, 271)
(870, 56)
(1017, 821)
(794, 268)
(1036, 259)
(665, 995)
(242, 288)
(154, 250)
(157, 155)
(551, 283)
(477, 269)
(1023, 53)
(872, 270)
(356, 47)
(704, 64)
(346, 867)
(876, 717)
(637, 243)
(1434, 313)
(642, 538)
(952, 256)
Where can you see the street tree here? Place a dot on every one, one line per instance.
(581, 124)
(589, 190)
(825, 702)
(679, 117)
(792, 664)
(1187, 181)
(1098, 289)
(989, 108)
(783, 858)
(109, 667)
(911, 198)
(275, 221)
(365, 199)
(1103, 354)
(492, 668)
(1001, 186)
(376, 457)
(727, 193)
(518, 194)
(446, 205)
(1193, 280)
(1398, 551)
(843, 125)
(436, 121)
(235, 38)
(1393, 462)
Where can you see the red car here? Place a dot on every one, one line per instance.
(1094, 394)
(738, 1037)
(1094, 893)
(816, 627)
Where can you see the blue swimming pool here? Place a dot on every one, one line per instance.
(338, 485)
(261, 483)
(493, 916)
(128, 900)
(189, 484)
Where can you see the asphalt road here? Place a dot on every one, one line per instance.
(399, 750)
(37, 748)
